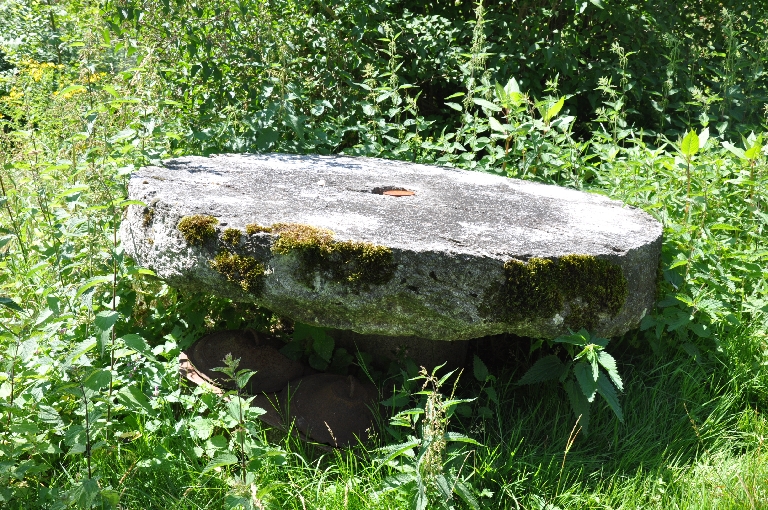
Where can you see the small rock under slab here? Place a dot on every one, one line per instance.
(330, 408)
(273, 369)
(327, 408)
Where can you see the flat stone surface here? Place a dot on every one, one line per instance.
(449, 242)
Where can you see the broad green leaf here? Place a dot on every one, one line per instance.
(735, 150)
(580, 338)
(553, 110)
(138, 344)
(690, 144)
(5, 239)
(579, 404)
(754, 151)
(106, 319)
(71, 191)
(243, 376)
(546, 369)
(48, 414)
(454, 106)
(72, 89)
(512, 87)
(323, 346)
(496, 125)
(134, 399)
(479, 369)
(92, 282)
(220, 460)
(237, 407)
(465, 493)
(98, 380)
(609, 364)
(701, 330)
(608, 392)
(202, 427)
(422, 501)
(486, 104)
(459, 438)
(443, 487)
(703, 137)
(10, 303)
(583, 373)
(723, 226)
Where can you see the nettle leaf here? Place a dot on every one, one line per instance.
(138, 344)
(579, 338)
(583, 373)
(238, 407)
(106, 319)
(98, 380)
(609, 364)
(579, 404)
(243, 376)
(134, 399)
(546, 369)
(465, 493)
(92, 282)
(202, 428)
(608, 392)
(480, 370)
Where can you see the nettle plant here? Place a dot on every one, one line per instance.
(590, 372)
(429, 465)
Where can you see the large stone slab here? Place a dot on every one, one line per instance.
(326, 241)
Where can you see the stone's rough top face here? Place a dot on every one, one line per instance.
(392, 248)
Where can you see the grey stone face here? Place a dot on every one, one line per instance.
(434, 264)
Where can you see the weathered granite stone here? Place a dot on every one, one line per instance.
(468, 254)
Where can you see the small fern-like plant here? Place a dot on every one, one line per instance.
(592, 371)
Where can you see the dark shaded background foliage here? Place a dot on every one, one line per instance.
(299, 66)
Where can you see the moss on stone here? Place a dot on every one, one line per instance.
(198, 228)
(254, 228)
(245, 271)
(540, 288)
(148, 216)
(231, 236)
(345, 261)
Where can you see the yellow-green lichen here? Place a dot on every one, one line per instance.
(540, 288)
(344, 261)
(231, 236)
(197, 229)
(254, 228)
(245, 271)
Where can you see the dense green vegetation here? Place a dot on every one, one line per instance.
(659, 104)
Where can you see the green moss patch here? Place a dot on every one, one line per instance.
(197, 229)
(344, 261)
(246, 271)
(231, 236)
(541, 287)
(254, 228)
